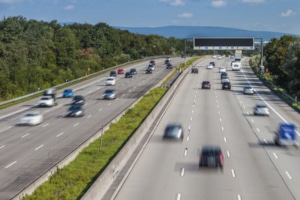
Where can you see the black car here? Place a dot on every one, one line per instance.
(169, 66)
(212, 63)
(211, 156)
(205, 85)
(78, 99)
(223, 74)
(149, 71)
(113, 73)
(173, 131)
(128, 75)
(226, 86)
(133, 71)
(75, 110)
(194, 70)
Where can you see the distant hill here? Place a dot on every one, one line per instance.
(181, 32)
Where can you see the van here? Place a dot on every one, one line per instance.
(236, 66)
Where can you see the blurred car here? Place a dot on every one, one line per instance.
(75, 110)
(113, 73)
(209, 66)
(151, 67)
(194, 70)
(226, 86)
(68, 93)
(223, 74)
(222, 69)
(248, 90)
(109, 94)
(174, 131)
(32, 118)
(78, 99)
(261, 109)
(149, 71)
(212, 63)
(133, 71)
(168, 60)
(152, 62)
(128, 75)
(169, 66)
(205, 85)
(214, 57)
(211, 156)
(110, 80)
(225, 79)
(46, 101)
(121, 71)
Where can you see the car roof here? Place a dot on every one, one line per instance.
(211, 148)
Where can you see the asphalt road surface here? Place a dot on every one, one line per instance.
(27, 152)
(254, 168)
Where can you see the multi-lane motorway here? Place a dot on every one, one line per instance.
(254, 168)
(27, 152)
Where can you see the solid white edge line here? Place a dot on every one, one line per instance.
(38, 147)
(288, 175)
(275, 155)
(232, 172)
(182, 172)
(11, 164)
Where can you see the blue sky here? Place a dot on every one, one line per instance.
(257, 15)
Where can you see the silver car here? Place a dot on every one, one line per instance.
(248, 90)
(261, 109)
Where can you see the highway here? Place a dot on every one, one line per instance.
(254, 168)
(28, 152)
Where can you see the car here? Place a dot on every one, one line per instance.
(225, 79)
(209, 66)
(169, 66)
(194, 70)
(261, 109)
(149, 71)
(68, 93)
(109, 94)
(133, 71)
(32, 118)
(151, 67)
(110, 80)
(113, 73)
(78, 99)
(222, 69)
(152, 62)
(226, 86)
(174, 131)
(121, 71)
(75, 110)
(128, 75)
(223, 74)
(205, 85)
(168, 60)
(212, 63)
(211, 156)
(214, 57)
(46, 101)
(248, 90)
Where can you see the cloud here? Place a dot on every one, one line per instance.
(218, 3)
(287, 13)
(185, 15)
(253, 1)
(174, 2)
(69, 7)
(9, 1)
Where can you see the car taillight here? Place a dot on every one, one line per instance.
(221, 157)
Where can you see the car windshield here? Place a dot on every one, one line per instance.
(45, 98)
(31, 114)
(68, 90)
(261, 106)
(109, 91)
(78, 98)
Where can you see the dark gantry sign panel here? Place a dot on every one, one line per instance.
(223, 43)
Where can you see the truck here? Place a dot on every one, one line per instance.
(286, 135)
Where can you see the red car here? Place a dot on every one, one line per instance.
(152, 62)
(205, 85)
(121, 71)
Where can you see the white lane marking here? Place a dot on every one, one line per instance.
(2, 146)
(192, 111)
(220, 119)
(257, 129)
(25, 135)
(288, 175)
(185, 151)
(76, 124)
(275, 155)
(100, 109)
(244, 107)
(182, 172)
(89, 116)
(252, 120)
(39, 147)
(109, 104)
(189, 127)
(239, 197)
(178, 196)
(187, 138)
(222, 128)
(191, 118)
(225, 140)
(247, 113)
(217, 106)
(228, 154)
(232, 172)
(45, 125)
(60, 134)
(11, 164)
(219, 112)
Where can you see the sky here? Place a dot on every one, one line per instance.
(257, 15)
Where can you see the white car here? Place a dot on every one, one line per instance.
(222, 69)
(261, 109)
(209, 66)
(111, 80)
(46, 101)
(248, 90)
(32, 118)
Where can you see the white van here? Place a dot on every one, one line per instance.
(236, 66)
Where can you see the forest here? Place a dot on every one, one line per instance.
(35, 55)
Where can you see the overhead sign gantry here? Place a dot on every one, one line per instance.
(223, 43)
